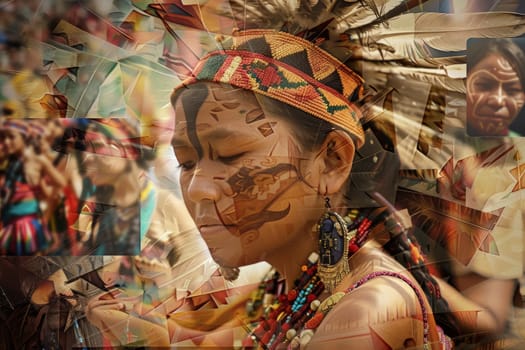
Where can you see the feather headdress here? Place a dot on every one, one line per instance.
(411, 55)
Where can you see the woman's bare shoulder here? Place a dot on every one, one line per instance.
(382, 313)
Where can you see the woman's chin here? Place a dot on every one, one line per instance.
(228, 260)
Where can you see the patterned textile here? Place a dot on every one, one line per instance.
(22, 231)
(16, 125)
(289, 69)
(24, 235)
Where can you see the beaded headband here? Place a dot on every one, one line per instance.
(20, 125)
(83, 131)
(289, 69)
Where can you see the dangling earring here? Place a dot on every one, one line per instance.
(333, 248)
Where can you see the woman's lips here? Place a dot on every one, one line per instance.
(212, 229)
(216, 229)
(222, 243)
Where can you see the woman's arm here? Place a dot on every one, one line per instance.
(480, 304)
(383, 313)
(55, 176)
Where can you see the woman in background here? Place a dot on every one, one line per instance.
(23, 231)
(495, 86)
(129, 212)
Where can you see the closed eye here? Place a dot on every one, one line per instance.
(187, 165)
(230, 159)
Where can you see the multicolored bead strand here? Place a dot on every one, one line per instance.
(290, 320)
(290, 311)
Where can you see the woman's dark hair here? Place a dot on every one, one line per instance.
(478, 49)
(74, 138)
(310, 132)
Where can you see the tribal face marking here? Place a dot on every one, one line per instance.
(255, 188)
(241, 174)
(494, 97)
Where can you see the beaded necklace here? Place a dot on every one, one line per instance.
(288, 320)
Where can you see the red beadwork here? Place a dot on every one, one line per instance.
(292, 295)
(273, 315)
(266, 337)
(352, 248)
(277, 341)
(311, 297)
(315, 321)
(272, 333)
(264, 324)
(247, 342)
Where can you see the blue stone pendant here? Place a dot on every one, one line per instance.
(333, 249)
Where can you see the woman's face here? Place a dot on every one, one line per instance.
(14, 142)
(104, 161)
(494, 96)
(244, 177)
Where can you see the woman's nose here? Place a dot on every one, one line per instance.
(498, 96)
(87, 157)
(203, 186)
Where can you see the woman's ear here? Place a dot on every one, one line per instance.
(335, 161)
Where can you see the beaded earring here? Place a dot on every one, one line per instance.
(333, 248)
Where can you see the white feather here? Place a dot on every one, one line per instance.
(411, 37)
(361, 13)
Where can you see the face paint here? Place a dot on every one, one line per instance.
(494, 96)
(241, 176)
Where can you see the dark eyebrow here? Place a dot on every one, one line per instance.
(215, 134)
(220, 133)
(178, 142)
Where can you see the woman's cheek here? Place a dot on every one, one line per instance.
(520, 101)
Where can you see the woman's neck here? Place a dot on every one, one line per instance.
(288, 260)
